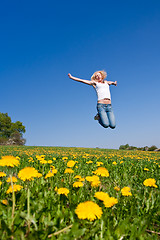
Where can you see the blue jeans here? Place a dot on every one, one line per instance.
(106, 115)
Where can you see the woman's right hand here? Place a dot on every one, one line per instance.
(69, 75)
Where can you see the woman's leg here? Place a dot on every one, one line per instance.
(111, 117)
(103, 117)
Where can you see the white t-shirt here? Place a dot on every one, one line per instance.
(102, 90)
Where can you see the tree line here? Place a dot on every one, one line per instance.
(146, 148)
(11, 133)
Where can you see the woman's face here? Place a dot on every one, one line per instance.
(98, 77)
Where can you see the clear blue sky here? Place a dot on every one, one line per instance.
(41, 41)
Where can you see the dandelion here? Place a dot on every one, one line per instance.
(14, 179)
(68, 170)
(89, 162)
(88, 210)
(101, 196)
(43, 161)
(146, 169)
(92, 178)
(9, 161)
(28, 173)
(77, 176)
(95, 183)
(126, 191)
(71, 164)
(99, 164)
(114, 163)
(54, 158)
(0, 183)
(53, 167)
(30, 159)
(80, 179)
(2, 174)
(117, 188)
(49, 161)
(5, 202)
(77, 184)
(49, 174)
(63, 191)
(53, 170)
(150, 182)
(110, 202)
(16, 188)
(89, 178)
(101, 171)
(121, 162)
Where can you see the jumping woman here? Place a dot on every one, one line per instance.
(105, 114)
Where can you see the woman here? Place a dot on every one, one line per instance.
(105, 114)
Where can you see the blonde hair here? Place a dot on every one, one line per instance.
(102, 72)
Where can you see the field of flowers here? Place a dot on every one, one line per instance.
(78, 193)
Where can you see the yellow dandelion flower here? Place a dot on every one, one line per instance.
(110, 202)
(64, 158)
(77, 176)
(0, 183)
(53, 170)
(80, 179)
(99, 164)
(30, 159)
(116, 188)
(16, 188)
(101, 196)
(2, 174)
(95, 183)
(126, 191)
(28, 173)
(121, 162)
(14, 179)
(49, 161)
(71, 164)
(63, 191)
(43, 161)
(54, 158)
(88, 210)
(9, 161)
(77, 184)
(49, 174)
(92, 178)
(5, 202)
(56, 189)
(89, 162)
(52, 166)
(101, 171)
(150, 182)
(146, 169)
(68, 170)
(114, 163)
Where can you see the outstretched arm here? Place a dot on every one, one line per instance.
(112, 83)
(89, 82)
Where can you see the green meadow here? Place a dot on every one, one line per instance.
(79, 193)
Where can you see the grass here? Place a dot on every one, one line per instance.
(41, 213)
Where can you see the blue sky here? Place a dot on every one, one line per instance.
(41, 41)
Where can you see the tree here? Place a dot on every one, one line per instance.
(124, 147)
(8, 129)
(152, 148)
